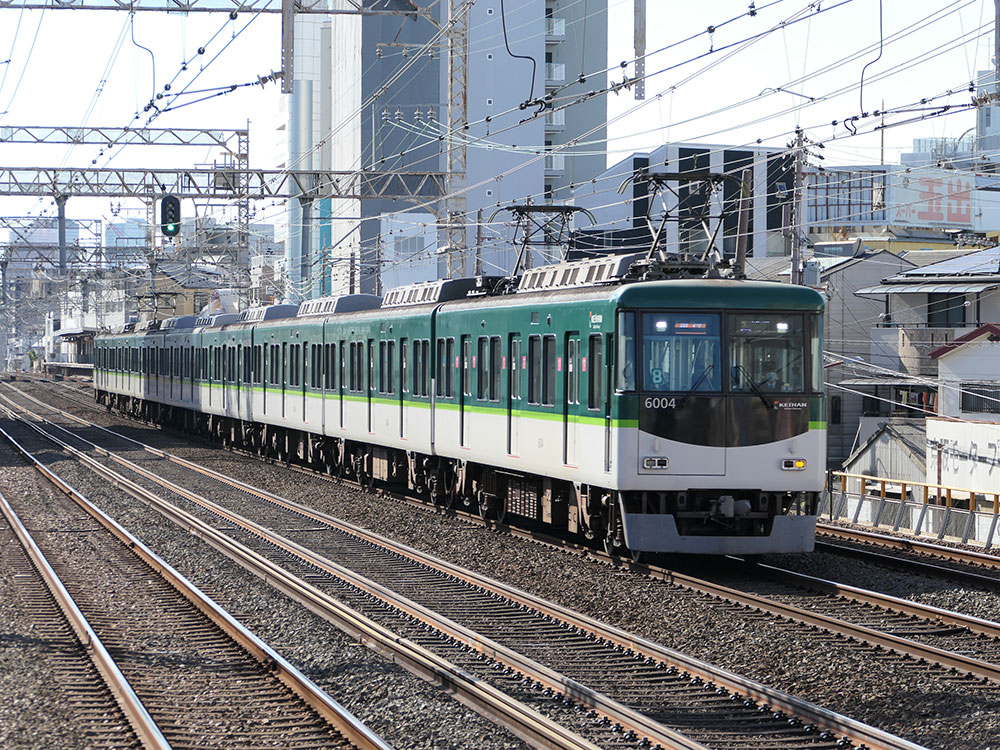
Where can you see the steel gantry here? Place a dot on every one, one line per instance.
(222, 184)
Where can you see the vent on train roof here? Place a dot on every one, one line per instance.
(268, 312)
(578, 273)
(442, 290)
(344, 304)
(217, 320)
(181, 321)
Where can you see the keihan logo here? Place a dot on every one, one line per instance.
(790, 404)
(596, 320)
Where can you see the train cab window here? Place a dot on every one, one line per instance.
(534, 369)
(816, 352)
(767, 352)
(681, 352)
(595, 372)
(625, 368)
(549, 373)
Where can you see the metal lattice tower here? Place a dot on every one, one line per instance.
(458, 109)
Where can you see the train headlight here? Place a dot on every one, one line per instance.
(656, 462)
(793, 464)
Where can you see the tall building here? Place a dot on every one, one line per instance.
(371, 93)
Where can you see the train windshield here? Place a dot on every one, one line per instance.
(767, 352)
(681, 352)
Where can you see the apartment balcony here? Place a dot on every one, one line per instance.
(555, 164)
(555, 74)
(555, 29)
(555, 120)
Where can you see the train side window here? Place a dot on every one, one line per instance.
(450, 371)
(443, 366)
(534, 369)
(625, 371)
(418, 362)
(595, 395)
(371, 367)
(549, 373)
(257, 364)
(425, 370)
(390, 386)
(404, 369)
(233, 369)
(494, 368)
(482, 368)
(572, 371)
(515, 369)
(381, 365)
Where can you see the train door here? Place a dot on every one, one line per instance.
(571, 396)
(513, 391)
(465, 392)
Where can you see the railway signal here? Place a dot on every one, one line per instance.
(170, 215)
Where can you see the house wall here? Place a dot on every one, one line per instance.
(887, 457)
(847, 333)
(975, 361)
(969, 454)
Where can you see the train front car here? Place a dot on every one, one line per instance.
(723, 380)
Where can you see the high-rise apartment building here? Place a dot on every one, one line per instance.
(371, 93)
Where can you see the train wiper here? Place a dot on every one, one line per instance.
(753, 386)
(693, 388)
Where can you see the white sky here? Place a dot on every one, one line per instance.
(58, 59)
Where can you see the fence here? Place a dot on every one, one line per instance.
(959, 514)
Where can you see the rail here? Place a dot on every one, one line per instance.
(311, 694)
(871, 737)
(142, 723)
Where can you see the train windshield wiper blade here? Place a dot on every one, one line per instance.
(694, 387)
(753, 386)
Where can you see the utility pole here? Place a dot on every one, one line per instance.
(61, 208)
(797, 207)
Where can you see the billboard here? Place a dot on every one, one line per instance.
(932, 198)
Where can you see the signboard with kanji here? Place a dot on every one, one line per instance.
(927, 197)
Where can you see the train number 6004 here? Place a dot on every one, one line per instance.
(661, 403)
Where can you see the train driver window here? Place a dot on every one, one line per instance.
(625, 368)
(681, 352)
(767, 352)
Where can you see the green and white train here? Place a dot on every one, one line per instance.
(682, 415)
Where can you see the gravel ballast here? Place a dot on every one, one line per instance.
(406, 711)
(925, 707)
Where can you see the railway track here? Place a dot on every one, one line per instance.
(87, 705)
(183, 670)
(524, 638)
(954, 642)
